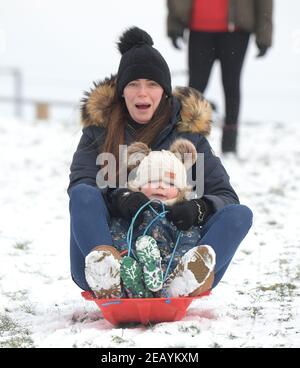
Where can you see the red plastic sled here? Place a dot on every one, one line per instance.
(118, 311)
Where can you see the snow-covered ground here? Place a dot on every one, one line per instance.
(257, 303)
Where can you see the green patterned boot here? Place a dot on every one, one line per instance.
(132, 277)
(149, 257)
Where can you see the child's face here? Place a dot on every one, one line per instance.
(160, 190)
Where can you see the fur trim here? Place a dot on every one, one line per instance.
(196, 112)
(98, 104)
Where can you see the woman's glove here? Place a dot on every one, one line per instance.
(262, 50)
(126, 204)
(177, 40)
(188, 213)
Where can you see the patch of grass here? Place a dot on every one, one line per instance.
(85, 317)
(14, 335)
(17, 296)
(282, 293)
(191, 330)
(232, 337)
(7, 324)
(272, 222)
(17, 342)
(28, 308)
(255, 311)
(283, 262)
(281, 288)
(215, 345)
(277, 191)
(119, 340)
(22, 245)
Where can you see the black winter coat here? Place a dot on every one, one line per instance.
(190, 120)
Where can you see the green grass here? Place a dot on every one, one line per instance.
(120, 340)
(22, 245)
(281, 288)
(13, 335)
(191, 330)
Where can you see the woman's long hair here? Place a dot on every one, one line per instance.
(119, 116)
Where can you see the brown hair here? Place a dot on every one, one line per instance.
(115, 131)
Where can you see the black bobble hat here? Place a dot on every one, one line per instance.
(141, 61)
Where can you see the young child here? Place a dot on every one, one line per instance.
(160, 176)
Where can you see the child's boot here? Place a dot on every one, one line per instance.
(148, 255)
(194, 273)
(102, 272)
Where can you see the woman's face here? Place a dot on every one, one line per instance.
(142, 97)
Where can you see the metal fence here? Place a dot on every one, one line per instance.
(42, 107)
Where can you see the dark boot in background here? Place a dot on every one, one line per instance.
(229, 138)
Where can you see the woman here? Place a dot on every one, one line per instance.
(220, 30)
(138, 105)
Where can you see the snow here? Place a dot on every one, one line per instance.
(257, 302)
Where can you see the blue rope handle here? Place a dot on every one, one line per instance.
(130, 230)
(158, 216)
(172, 257)
(161, 215)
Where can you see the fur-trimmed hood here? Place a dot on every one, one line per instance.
(99, 102)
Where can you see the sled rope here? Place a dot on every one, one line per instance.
(159, 215)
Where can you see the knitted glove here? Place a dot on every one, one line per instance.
(175, 40)
(188, 213)
(126, 203)
(262, 50)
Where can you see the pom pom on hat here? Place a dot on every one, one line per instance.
(132, 37)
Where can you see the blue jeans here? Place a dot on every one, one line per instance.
(89, 227)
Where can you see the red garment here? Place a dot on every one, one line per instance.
(210, 15)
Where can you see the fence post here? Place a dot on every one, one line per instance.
(42, 111)
(18, 84)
